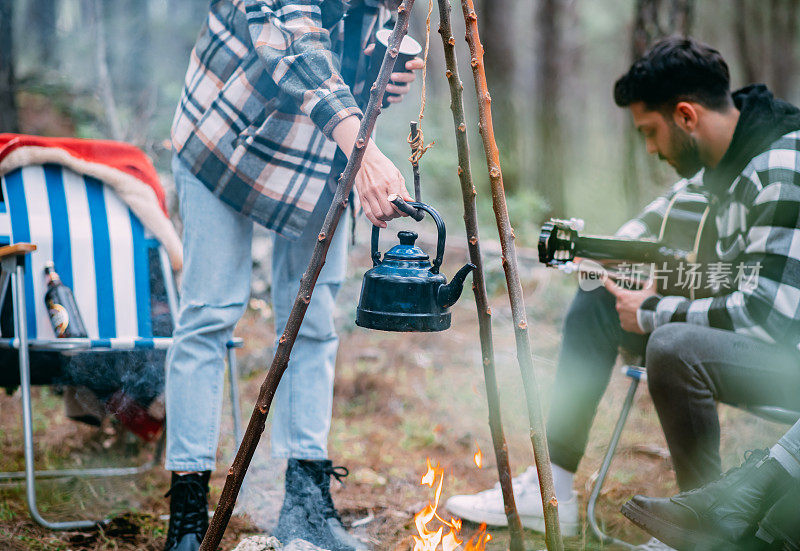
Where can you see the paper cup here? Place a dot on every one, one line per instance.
(409, 49)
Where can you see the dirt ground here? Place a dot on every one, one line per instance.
(399, 399)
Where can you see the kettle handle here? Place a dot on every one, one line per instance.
(441, 236)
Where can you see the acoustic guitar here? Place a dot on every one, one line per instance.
(677, 259)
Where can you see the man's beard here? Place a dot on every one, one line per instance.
(685, 155)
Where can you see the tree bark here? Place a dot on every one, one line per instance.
(766, 36)
(549, 131)
(645, 28)
(136, 71)
(501, 54)
(745, 50)
(104, 84)
(9, 121)
(681, 16)
(255, 427)
(524, 357)
(41, 17)
(648, 27)
(468, 194)
(783, 62)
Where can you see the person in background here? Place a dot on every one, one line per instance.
(267, 114)
(738, 347)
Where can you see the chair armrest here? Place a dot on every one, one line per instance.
(16, 249)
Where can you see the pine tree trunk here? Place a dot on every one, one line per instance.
(41, 25)
(8, 105)
(746, 50)
(136, 78)
(783, 61)
(500, 56)
(549, 131)
(647, 28)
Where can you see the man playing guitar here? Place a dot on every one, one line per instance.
(738, 346)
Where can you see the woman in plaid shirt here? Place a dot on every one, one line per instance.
(268, 99)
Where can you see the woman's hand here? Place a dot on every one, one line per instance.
(399, 82)
(376, 179)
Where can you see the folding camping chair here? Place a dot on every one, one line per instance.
(636, 375)
(104, 254)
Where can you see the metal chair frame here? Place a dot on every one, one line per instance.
(637, 375)
(12, 270)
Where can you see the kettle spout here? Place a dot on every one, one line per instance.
(448, 294)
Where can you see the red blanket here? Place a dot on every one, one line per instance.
(117, 155)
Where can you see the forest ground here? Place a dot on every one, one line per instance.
(399, 399)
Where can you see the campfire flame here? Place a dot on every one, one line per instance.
(429, 539)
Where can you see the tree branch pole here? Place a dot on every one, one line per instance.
(413, 136)
(402, 206)
(478, 282)
(255, 427)
(506, 232)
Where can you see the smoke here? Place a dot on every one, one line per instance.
(262, 492)
(139, 374)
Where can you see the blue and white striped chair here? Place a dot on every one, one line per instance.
(104, 254)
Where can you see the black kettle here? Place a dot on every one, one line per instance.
(404, 291)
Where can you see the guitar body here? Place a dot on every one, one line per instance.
(688, 227)
(677, 258)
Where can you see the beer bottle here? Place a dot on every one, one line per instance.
(61, 305)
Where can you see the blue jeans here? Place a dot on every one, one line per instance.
(215, 289)
(787, 451)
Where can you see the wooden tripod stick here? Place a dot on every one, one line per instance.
(255, 427)
(478, 282)
(535, 417)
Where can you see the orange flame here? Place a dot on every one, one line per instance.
(429, 539)
(427, 480)
(478, 457)
(479, 540)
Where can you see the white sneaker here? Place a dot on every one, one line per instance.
(487, 506)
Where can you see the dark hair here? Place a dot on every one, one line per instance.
(676, 69)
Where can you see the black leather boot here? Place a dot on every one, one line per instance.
(720, 515)
(308, 511)
(188, 511)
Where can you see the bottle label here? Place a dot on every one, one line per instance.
(59, 318)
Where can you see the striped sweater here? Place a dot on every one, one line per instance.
(758, 219)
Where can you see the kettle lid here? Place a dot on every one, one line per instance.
(406, 250)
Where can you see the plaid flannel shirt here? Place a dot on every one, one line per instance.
(261, 97)
(757, 220)
(646, 224)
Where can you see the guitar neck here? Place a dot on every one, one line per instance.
(612, 248)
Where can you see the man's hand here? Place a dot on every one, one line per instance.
(376, 179)
(628, 303)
